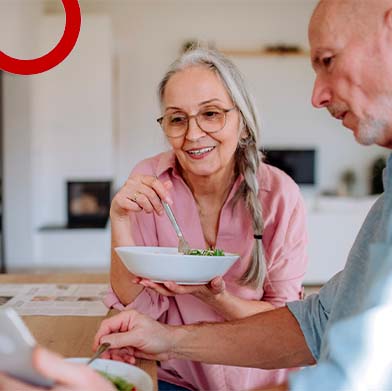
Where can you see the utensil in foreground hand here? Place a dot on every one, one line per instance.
(102, 348)
(183, 245)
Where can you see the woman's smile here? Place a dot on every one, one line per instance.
(200, 153)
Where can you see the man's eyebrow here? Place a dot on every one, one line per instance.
(315, 60)
(316, 57)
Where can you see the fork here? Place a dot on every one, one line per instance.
(102, 348)
(183, 245)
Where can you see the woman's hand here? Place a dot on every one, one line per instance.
(205, 292)
(132, 335)
(66, 375)
(214, 293)
(140, 192)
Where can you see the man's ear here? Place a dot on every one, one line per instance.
(388, 18)
(388, 29)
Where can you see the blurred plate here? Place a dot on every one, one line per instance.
(140, 379)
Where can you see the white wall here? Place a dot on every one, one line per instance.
(17, 38)
(148, 38)
(72, 117)
(40, 151)
(283, 87)
(333, 225)
(71, 140)
(57, 126)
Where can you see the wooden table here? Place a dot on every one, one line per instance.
(71, 336)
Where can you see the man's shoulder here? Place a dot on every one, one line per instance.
(370, 229)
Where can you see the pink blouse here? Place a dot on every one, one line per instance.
(284, 241)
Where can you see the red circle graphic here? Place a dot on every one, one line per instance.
(67, 42)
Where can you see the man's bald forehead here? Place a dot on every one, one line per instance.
(341, 8)
(355, 15)
(328, 14)
(329, 4)
(349, 8)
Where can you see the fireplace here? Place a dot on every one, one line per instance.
(298, 163)
(88, 203)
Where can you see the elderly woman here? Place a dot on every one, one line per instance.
(223, 196)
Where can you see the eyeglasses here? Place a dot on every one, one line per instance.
(209, 120)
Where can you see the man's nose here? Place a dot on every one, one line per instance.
(321, 96)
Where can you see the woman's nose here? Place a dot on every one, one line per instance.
(194, 131)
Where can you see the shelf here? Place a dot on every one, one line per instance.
(263, 53)
(48, 228)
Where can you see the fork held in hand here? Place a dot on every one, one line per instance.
(183, 245)
(102, 348)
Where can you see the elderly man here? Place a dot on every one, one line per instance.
(345, 328)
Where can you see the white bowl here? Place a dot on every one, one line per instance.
(166, 264)
(140, 379)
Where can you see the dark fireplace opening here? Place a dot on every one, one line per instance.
(88, 203)
(300, 164)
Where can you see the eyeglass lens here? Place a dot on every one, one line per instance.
(209, 120)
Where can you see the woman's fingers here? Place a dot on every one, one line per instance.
(148, 199)
(217, 285)
(171, 288)
(161, 189)
(159, 288)
(125, 204)
(182, 289)
(142, 192)
(143, 202)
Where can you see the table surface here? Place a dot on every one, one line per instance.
(71, 336)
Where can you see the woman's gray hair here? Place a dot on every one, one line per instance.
(247, 156)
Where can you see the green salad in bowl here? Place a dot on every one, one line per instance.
(119, 383)
(213, 252)
(124, 377)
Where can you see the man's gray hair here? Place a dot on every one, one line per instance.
(247, 156)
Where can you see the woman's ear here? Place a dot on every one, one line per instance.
(244, 132)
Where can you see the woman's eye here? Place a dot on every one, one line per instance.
(177, 119)
(209, 114)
